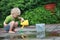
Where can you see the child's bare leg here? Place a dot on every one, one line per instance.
(11, 27)
(16, 25)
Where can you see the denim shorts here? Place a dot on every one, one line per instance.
(6, 28)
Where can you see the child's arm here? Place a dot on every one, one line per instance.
(4, 24)
(7, 20)
(21, 19)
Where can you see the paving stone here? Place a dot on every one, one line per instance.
(52, 38)
(57, 38)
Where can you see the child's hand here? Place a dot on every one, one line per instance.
(21, 19)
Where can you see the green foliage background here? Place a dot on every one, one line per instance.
(33, 10)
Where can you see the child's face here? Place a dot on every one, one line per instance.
(16, 15)
(15, 12)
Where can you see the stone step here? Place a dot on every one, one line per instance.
(16, 34)
(50, 38)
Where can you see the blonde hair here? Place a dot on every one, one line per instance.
(15, 11)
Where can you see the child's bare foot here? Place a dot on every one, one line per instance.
(11, 32)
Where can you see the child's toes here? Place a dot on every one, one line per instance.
(11, 32)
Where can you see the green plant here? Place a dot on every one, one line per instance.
(32, 10)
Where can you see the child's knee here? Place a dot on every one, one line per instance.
(12, 22)
(16, 23)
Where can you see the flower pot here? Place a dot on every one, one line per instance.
(50, 7)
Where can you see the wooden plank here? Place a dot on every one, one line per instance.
(29, 39)
(32, 28)
(26, 29)
(3, 34)
(15, 34)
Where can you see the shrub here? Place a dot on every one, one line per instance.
(29, 9)
(41, 15)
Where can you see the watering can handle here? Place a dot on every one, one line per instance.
(22, 27)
